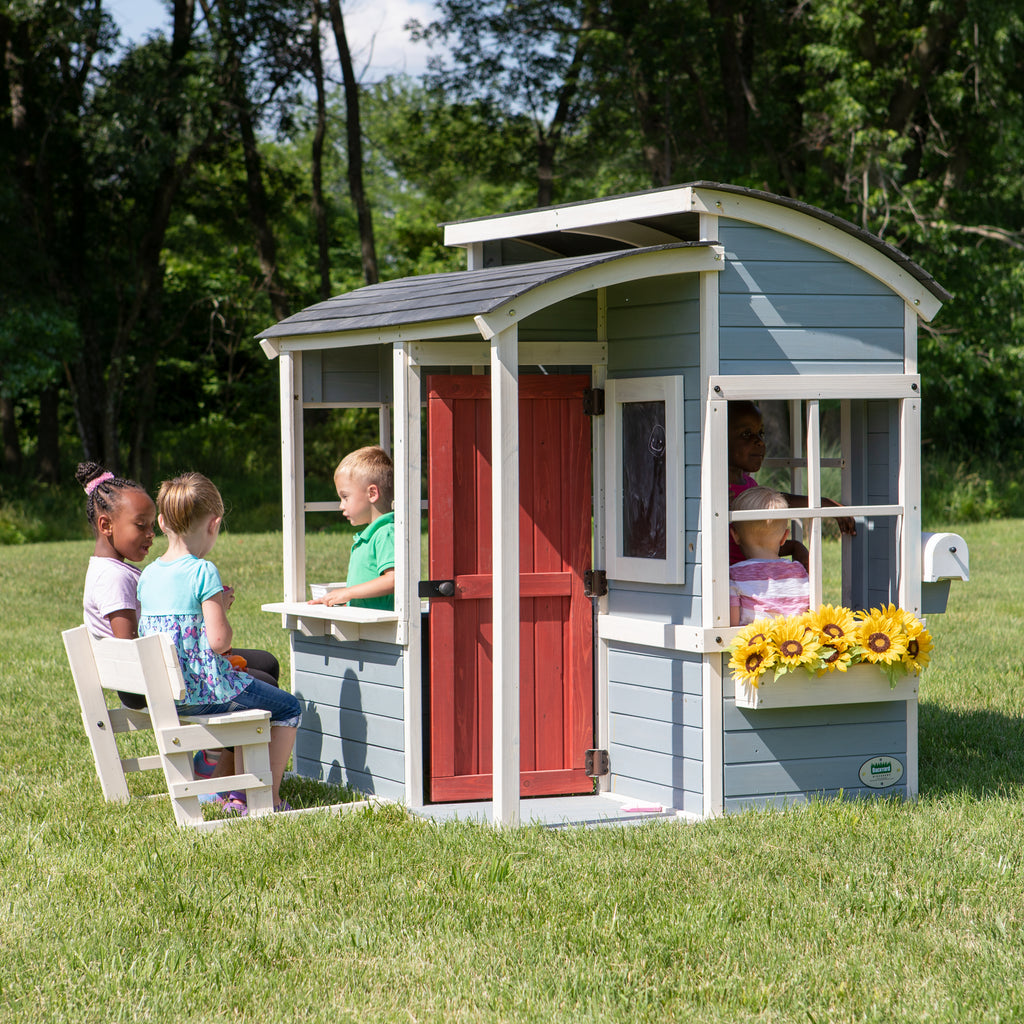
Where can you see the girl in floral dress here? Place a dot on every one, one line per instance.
(181, 594)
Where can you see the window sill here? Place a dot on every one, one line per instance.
(345, 624)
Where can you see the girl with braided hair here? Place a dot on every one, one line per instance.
(123, 518)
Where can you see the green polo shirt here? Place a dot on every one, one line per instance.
(373, 552)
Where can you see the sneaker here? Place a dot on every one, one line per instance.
(203, 763)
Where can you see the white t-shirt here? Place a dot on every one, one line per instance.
(110, 586)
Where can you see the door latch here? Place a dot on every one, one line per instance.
(437, 588)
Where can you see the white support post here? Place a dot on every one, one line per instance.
(797, 485)
(846, 497)
(384, 427)
(292, 476)
(910, 322)
(714, 508)
(505, 556)
(714, 511)
(408, 513)
(814, 498)
(599, 376)
(714, 527)
(910, 499)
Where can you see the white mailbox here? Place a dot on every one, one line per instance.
(944, 557)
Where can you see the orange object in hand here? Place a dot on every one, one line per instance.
(237, 661)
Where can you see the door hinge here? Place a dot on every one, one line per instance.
(596, 763)
(595, 583)
(593, 401)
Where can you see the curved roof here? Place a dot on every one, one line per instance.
(455, 301)
(661, 215)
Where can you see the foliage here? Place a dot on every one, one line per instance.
(156, 198)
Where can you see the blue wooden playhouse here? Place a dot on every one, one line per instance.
(561, 638)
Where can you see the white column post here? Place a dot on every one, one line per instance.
(408, 513)
(814, 498)
(599, 379)
(292, 476)
(505, 543)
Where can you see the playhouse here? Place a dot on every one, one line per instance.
(565, 397)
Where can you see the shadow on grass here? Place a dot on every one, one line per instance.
(977, 752)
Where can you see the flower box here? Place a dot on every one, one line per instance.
(860, 684)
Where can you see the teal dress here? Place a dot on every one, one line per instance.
(171, 596)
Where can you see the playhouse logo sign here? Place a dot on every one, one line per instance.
(880, 772)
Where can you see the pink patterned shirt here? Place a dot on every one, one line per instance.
(765, 587)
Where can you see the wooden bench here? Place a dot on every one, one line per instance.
(149, 666)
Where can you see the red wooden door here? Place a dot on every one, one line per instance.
(556, 631)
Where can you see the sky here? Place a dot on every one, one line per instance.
(374, 29)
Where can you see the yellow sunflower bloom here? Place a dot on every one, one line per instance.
(831, 624)
(919, 647)
(881, 637)
(755, 633)
(837, 657)
(752, 651)
(796, 644)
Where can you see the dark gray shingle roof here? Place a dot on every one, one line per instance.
(446, 296)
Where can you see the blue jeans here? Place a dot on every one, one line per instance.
(283, 706)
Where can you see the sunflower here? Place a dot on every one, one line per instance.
(752, 651)
(881, 637)
(832, 625)
(797, 645)
(919, 643)
(837, 657)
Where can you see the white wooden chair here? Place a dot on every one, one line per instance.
(150, 666)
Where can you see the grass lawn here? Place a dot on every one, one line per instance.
(869, 911)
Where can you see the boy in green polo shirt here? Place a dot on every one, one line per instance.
(364, 480)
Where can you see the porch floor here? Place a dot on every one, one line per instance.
(589, 811)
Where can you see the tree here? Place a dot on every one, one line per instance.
(528, 57)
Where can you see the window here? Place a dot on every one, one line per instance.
(644, 471)
(869, 453)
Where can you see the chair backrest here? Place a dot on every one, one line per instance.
(148, 665)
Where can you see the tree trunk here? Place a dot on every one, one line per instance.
(733, 26)
(319, 207)
(354, 131)
(12, 444)
(48, 452)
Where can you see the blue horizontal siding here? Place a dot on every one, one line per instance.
(786, 754)
(352, 728)
(801, 777)
(656, 726)
(745, 275)
(786, 306)
(760, 344)
(749, 803)
(679, 774)
(824, 367)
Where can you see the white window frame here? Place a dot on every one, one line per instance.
(811, 389)
(618, 392)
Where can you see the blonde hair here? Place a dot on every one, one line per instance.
(186, 499)
(763, 498)
(371, 465)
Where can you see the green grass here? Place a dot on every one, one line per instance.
(870, 911)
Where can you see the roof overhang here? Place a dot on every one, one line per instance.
(473, 303)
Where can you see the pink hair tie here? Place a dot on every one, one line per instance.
(95, 482)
